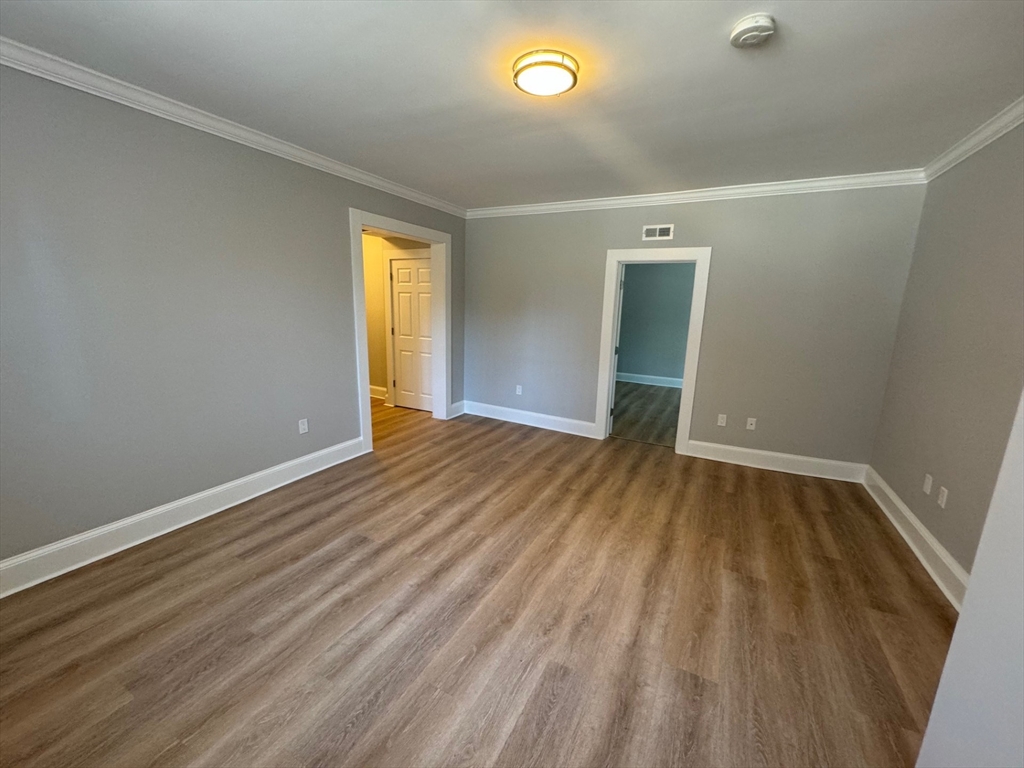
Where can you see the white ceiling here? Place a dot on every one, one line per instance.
(420, 92)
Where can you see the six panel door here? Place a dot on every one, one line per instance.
(411, 319)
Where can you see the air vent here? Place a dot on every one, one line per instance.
(659, 231)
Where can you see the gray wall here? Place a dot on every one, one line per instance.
(958, 363)
(803, 300)
(655, 319)
(979, 707)
(171, 303)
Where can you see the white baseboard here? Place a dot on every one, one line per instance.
(38, 565)
(457, 409)
(533, 419)
(780, 462)
(947, 573)
(657, 381)
(378, 392)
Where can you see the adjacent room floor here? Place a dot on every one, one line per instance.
(482, 593)
(646, 413)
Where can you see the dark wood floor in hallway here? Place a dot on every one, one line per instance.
(646, 413)
(482, 593)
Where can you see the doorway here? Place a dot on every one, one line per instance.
(411, 368)
(650, 354)
(639, 393)
(399, 320)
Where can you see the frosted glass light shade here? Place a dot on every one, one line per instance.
(545, 73)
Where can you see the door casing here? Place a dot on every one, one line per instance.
(610, 317)
(441, 312)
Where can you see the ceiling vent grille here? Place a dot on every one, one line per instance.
(659, 232)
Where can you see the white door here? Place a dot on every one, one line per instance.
(410, 324)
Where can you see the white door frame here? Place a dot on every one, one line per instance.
(617, 259)
(441, 312)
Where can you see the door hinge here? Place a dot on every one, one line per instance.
(391, 277)
(616, 350)
(394, 383)
(611, 412)
(392, 330)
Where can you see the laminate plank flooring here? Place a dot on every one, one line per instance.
(483, 593)
(646, 413)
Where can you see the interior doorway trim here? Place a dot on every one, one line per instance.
(441, 312)
(617, 259)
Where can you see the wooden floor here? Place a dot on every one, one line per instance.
(483, 593)
(646, 413)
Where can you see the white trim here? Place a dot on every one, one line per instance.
(655, 381)
(779, 462)
(381, 393)
(441, 285)
(533, 419)
(947, 573)
(41, 64)
(38, 565)
(802, 186)
(458, 409)
(980, 137)
(614, 263)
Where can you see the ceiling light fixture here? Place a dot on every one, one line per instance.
(545, 73)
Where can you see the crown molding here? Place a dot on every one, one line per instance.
(35, 62)
(980, 137)
(802, 186)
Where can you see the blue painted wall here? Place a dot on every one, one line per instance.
(655, 319)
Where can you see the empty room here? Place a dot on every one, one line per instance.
(440, 383)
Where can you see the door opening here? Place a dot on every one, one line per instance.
(650, 343)
(372, 298)
(650, 353)
(397, 281)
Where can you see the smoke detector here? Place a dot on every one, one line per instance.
(752, 30)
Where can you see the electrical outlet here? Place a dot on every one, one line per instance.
(519, 389)
(303, 426)
(721, 419)
(941, 498)
(751, 424)
(928, 484)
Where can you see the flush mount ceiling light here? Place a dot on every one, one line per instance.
(545, 73)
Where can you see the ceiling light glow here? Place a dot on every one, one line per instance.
(545, 73)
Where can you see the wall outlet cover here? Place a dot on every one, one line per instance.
(943, 495)
(722, 419)
(928, 484)
(303, 426)
(751, 423)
